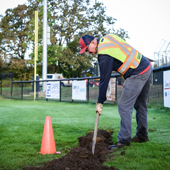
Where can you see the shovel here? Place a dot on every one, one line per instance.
(95, 133)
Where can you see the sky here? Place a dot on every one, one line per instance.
(146, 21)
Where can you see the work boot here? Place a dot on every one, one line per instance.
(118, 145)
(139, 140)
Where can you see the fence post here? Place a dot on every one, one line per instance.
(1, 83)
(116, 90)
(72, 91)
(21, 90)
(88, 90)
(46, 90)
(12, 84)
(162, 85)
(60, 90)
(11, 89)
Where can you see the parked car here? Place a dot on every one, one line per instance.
(92, 83)
(57, 76)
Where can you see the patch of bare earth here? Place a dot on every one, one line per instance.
(81, 158)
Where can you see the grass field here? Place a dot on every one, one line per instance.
(22, 123)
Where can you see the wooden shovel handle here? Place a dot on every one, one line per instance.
(95, 133)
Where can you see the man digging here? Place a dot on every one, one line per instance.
(115, 54)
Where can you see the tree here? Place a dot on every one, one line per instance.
(20, 69)
(14, 41)
(73, 19)
(68, 21)
(14, 26)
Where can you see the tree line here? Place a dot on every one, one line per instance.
(68, 21)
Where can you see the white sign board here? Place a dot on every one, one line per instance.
(110, 94)
(79, 90)
(166, 78)
(53, 90)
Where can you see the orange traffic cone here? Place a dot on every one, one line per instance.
(48, 142)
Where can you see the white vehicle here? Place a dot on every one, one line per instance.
(58, 76)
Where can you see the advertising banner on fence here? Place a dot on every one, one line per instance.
(166, 85)
(111, 90)
(79, 90)
(53, 90)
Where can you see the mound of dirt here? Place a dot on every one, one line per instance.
(81, 158)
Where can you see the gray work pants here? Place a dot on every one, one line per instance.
(135, 94)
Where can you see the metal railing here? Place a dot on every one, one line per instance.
(24, 90)
(1, 88)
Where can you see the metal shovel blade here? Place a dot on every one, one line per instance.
(95, 133)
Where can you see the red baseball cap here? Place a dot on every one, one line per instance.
(84, 42)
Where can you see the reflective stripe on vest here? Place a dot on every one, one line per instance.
(130, 60)
(118, 43)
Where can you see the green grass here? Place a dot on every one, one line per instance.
(22, 123)
(152, 155)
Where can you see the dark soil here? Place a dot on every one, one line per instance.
(81, 158)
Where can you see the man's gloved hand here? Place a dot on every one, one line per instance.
(99, 108)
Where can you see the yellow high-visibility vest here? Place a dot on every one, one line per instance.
(118, 48)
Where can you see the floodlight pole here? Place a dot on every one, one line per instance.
(44, 69)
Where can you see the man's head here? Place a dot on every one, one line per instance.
(88, 44)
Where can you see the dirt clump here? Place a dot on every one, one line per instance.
(81, 158)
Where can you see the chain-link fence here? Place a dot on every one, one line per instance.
(24, 90)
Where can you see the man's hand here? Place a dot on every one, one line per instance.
(99, 108)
